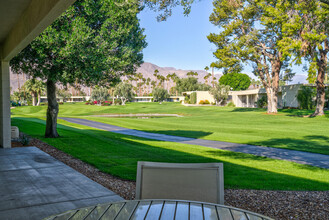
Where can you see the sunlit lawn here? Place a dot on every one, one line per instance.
(118, 155)
(239, 125)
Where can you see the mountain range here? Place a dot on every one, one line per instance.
(147, 69)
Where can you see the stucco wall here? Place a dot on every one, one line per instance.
(289, 95)
(286, 96)
(204, 95)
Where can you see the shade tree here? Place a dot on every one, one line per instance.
(307, 37)
(236, 81)
(93, 42)
(124, 91)
(160, 94)
(250, 32)
(220, 93)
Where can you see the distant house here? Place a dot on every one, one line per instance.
(287, 96)
(201, 96)
(150, 99)
(135, 99)
(71, 99)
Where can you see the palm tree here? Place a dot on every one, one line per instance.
(206, 77)
(174, 78)
(40, 88)
(156, 75)
(29, 87)
(148, 82)
(192, 74)
(213, 75)
(144, 85)
(161, 80)
(153, 83)
(168, 77)
(139, 78)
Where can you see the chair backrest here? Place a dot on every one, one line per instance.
(196, 182)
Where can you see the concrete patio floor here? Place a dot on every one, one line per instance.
(34, 185)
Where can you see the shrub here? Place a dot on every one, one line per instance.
(230, 104)
(204, 102)
(61, 103)
(262, 102)
(187, 100)
(117, 102)
(160, 94)
(107, 103)
(305, 97)
(25, 140)
(193, 98)
(100, 94)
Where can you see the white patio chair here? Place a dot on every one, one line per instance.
(195, 181)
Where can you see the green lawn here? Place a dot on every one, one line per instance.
(118, 154)
(239, 125)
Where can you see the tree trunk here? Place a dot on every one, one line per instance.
(320, 86)
(272, 101)
(273, 88)
(34, 98)
(123, 101)
(39, 99)
(52, 111)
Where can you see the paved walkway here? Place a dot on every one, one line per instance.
(34, 185)
(319, 160)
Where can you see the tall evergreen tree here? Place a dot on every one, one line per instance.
(308, 37)
(251, 30)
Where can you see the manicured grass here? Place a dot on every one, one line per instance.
(287, 129)
(118, 154)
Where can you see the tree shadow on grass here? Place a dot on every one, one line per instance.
(181, 133)
(313, 144)
(118, 155)
(248, 110)
(250, 157)
(288, 112)
(318, 137)
(296, 112)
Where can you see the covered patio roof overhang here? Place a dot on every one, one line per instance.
(20, 22)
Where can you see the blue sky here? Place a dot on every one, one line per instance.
(181, 41)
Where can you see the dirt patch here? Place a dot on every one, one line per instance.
(275, 204)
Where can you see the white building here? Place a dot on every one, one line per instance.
(201, 96)
(71, 99)
(150, 98)
(287, 96)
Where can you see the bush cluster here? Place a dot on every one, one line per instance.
(262, 102)
(193, 98)
(102, 103)
(306, 97)
(230, 104)
(204, 102)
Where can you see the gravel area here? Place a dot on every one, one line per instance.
(275, 204)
